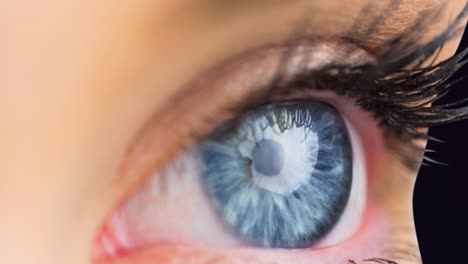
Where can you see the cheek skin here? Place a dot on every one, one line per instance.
(370, 241)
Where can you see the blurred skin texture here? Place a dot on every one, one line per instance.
(84, 78)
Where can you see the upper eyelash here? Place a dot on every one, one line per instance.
(395, 89)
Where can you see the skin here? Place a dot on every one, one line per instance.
(85, 78)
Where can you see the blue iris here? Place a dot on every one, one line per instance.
(281, 175)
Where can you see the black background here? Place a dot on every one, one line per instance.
(441, 192)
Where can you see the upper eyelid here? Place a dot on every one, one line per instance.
(163, 122)
(177, 137)
(293, 44)
(204, 81)
(187, 91)
(174, 155)
(362, 39)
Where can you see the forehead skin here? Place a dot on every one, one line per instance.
(83, 76)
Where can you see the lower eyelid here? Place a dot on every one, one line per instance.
(370, 241)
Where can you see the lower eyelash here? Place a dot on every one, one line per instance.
(395, 88)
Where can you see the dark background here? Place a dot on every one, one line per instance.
(441, 192)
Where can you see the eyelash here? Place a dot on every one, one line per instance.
(395, 89)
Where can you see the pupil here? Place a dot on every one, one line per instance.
(268, 157)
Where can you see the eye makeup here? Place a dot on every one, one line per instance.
(391, 84)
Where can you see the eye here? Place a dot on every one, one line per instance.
(290, 174)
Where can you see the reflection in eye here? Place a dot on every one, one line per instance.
(282, 177)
